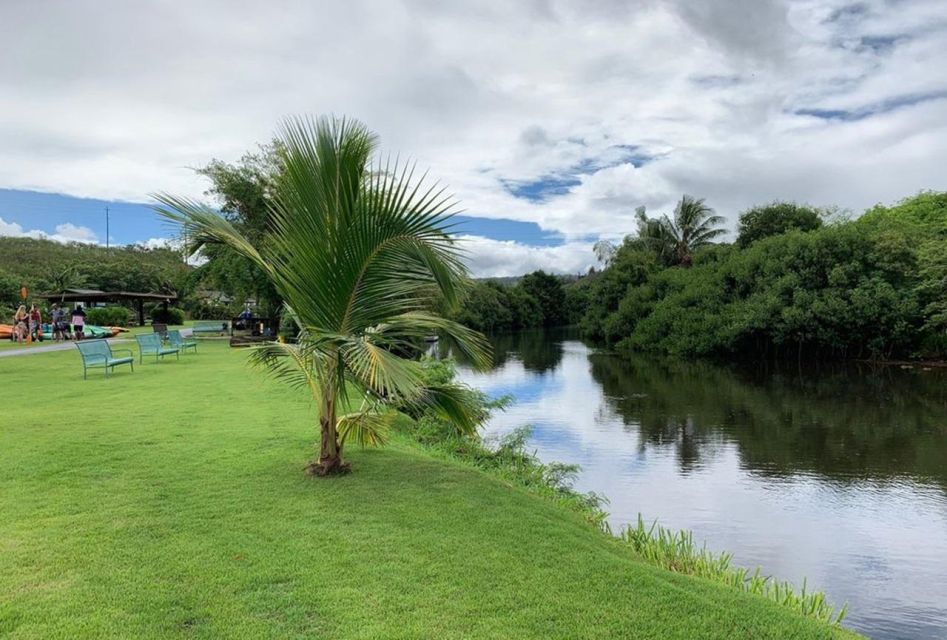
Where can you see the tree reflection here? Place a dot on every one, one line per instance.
(843, 423)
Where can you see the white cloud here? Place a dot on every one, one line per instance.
(66, 232)
(485, 93)
(161, 243)
(175, 244)
(493, 258)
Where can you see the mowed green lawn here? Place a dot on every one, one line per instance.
(171, 502)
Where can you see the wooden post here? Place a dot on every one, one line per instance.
(141, 312)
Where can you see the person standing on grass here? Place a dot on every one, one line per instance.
(20, 324)
(36, 323)
(59, 332)
(78, 321)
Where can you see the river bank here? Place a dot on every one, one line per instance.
(759, 461)
(170, 502)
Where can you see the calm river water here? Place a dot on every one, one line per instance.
(837, 475)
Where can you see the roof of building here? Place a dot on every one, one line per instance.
(95, 294)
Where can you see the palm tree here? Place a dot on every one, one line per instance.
(694, 226)
(356, 249)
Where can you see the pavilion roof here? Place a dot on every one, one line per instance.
(72, 295)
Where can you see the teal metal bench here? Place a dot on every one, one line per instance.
(150, 343)
(98, 353)
(178, 342)
(210, 327)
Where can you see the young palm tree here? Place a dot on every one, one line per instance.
(356, 251)
(694, 226)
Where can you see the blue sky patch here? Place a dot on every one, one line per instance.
(885, 106)
(551, 185)
(131, 222)
(542, 189)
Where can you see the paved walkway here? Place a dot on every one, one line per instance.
(63, 346)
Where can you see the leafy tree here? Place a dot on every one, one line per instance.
(775, 218)
(527, 311)
(486, 307)
(630, 268)
(355, 250)
(676, 239)
(547, 290)
(537, 300)
(245, 191)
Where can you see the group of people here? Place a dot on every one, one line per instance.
(28, 325)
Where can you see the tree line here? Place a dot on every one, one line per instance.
(44, 266)
(797, 281)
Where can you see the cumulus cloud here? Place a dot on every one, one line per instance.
(66, 232)
(495, 258)
(564, 113)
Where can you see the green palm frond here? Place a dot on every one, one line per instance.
(206, 226)
(457, 404)
(368, 428)
(379, 370)
(693, 225)
(292, 364)
(402, 330)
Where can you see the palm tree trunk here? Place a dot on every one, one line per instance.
(330, 460)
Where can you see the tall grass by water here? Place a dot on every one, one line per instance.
(676, 551)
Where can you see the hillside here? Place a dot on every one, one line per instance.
(44, 265)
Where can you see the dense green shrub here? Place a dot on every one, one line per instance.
(108, 316)
(775, 219)
(547, 290)
(537, 300)
(202, 310)
(171, 315)
(875, 287)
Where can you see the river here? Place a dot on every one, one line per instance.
(834, 474)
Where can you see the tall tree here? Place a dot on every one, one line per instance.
(356, 248)
(693, 226)
(244, 190)
(547, 290)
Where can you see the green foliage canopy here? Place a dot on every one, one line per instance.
(774, 219)
(873, 287)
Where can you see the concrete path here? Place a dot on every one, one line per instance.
(64, 346)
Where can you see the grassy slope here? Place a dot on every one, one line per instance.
(171, 503)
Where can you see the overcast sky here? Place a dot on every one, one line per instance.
(565, 115)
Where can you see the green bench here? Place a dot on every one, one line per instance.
(210, 327)
(98, 353)
(178, 342)
(150, 343)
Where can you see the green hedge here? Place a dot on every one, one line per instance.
(171, 315)
(107, 316)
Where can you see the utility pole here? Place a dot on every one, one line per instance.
(106, 228)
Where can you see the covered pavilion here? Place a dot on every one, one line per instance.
(91, 296)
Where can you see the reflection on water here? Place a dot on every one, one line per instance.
(838, 474)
